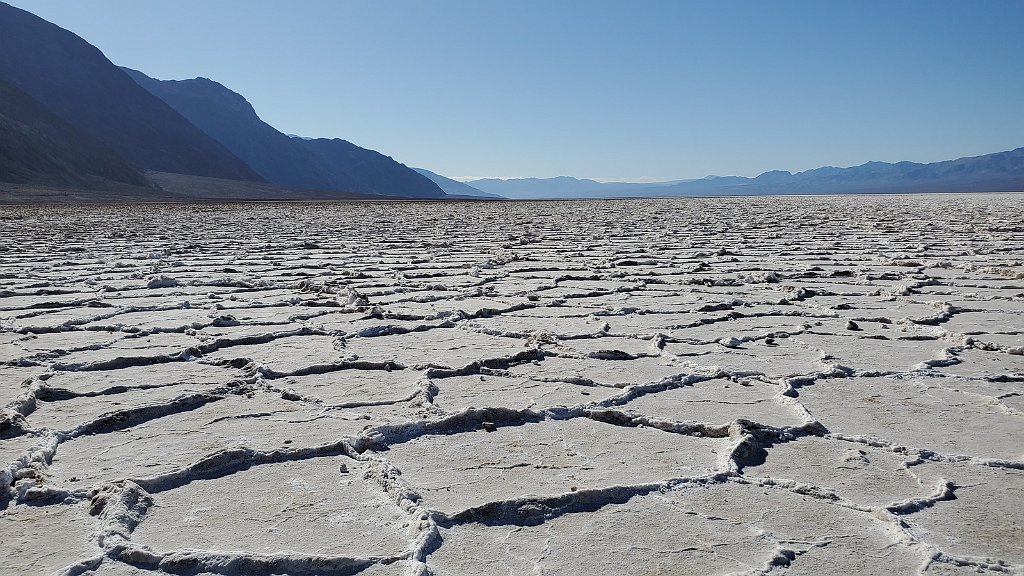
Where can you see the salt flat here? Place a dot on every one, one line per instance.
(785, 385)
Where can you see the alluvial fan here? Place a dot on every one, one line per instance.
(690, 386)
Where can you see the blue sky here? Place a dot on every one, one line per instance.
(653, 90)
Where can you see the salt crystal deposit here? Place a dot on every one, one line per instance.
(786, 385)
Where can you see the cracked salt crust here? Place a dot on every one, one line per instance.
(785, 357)
(655, 537)
(355, 387)
(994, 366)
(448, 347)
(721, 401)
(863, 474)
(517, 393)
(66, 414)
(287, 354)
(165, 344)
(912, 413)
(864, 353)
(181, 438)
(14, 379)
(309, 508)
(12, 449)
(600, 372)
(468, 469)
(689, 386)
(45, 539)
(612, 347)
(987, 500)
(171, 374)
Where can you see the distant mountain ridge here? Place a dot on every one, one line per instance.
(355, 169)
(996, 172)
(456, 188)
(75, 81)
(558, 187)
(70, 118)
(296, 162)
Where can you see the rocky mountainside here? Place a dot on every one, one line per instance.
(76, 82)
(315, 164)
(38, 147)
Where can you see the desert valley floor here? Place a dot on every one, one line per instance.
(797, 385)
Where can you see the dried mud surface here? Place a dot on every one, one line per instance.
(693, 386)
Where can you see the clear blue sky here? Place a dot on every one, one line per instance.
(610, 90)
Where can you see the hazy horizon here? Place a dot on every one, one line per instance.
(656, 91)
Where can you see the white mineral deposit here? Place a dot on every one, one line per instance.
(764, 385)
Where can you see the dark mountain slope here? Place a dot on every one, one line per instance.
(294, 162)
(367, 171)
(75, 81)
(37, 147)
(229, 119)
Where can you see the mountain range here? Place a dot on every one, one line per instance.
(560, 187)
(997, 172)
(457, 189)
(75, 81)
(71, 120)
(311, 163)
(37, 146)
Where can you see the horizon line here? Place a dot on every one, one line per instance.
(652, 180)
